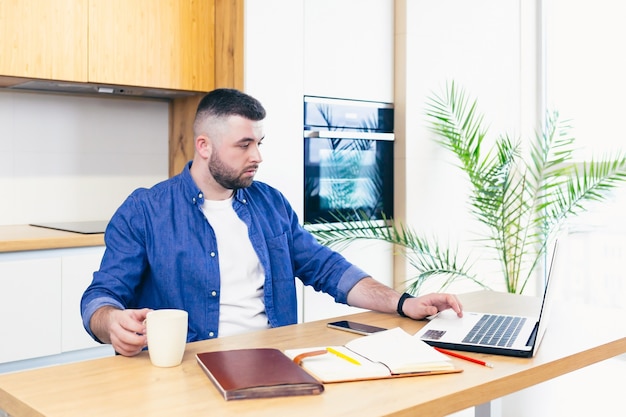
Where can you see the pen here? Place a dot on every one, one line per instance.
(467, 358)
(343, 356)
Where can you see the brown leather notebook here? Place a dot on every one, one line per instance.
(256, 373)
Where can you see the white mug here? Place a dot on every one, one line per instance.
(166, 330)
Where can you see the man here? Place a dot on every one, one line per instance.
(223, 247)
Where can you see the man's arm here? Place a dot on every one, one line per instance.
(372, 295)
(124, 329)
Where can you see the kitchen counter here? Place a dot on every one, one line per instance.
(15, 238)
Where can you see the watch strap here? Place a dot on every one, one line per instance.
(401, 301)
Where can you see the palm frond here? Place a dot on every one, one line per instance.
(427, 257)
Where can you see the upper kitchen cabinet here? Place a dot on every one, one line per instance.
(152, 43)
(44, 39)
(163, 44)
(349, 49)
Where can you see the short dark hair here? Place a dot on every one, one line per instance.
(224, 102)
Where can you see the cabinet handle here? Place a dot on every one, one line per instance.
(342, 134)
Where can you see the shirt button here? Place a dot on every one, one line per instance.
(212, 254)
(213, 293)
(243, 201)
(211, 334)
(200, 195)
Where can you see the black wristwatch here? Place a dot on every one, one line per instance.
(401, 301)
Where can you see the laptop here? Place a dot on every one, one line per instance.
(495, 334)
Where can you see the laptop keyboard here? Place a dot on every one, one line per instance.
(495, 330)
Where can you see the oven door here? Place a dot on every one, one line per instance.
(348, 175)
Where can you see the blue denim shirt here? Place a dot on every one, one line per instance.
(162, 253)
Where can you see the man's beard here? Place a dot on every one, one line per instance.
(227, 177)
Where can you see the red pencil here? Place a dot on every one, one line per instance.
(467, 358)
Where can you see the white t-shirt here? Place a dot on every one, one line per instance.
(241, 274)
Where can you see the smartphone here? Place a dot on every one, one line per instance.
(354, 327)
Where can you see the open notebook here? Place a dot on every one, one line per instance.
(387, 354)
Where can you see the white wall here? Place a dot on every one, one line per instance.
(436, 43)
(273, 74)
(73, 158)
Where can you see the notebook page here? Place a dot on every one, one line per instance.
(331, 368)
(400, 352)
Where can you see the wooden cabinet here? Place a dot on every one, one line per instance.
(147, 43)
(152, 43)
(44, 39)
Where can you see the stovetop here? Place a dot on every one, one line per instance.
(83, 227)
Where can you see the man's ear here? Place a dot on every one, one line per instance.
(203, 146)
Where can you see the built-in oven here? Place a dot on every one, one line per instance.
(348, 159)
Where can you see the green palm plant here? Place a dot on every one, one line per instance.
(522, 196)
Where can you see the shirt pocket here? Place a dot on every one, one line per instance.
(279, 258)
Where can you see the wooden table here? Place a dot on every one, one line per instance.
(121, 386)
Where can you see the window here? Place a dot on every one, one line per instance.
(585, 70)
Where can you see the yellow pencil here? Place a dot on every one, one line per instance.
(343, 356)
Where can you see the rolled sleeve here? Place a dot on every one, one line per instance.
(91, 308)
(348, 280)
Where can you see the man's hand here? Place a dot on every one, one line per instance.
(124, 329)
(372, 295)
(430, 304)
